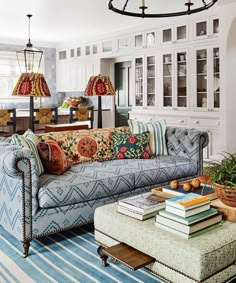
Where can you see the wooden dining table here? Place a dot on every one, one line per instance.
(65, 127)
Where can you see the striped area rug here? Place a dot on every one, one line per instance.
(69, 256)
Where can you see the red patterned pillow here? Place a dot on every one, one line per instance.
(53, 158)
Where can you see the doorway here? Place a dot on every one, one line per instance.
(123, 92)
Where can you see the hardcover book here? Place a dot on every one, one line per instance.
(135, 214)
(191, 219)
(187, 213)
(189, 229)
(142, 204)
(188, 236)
(187, 201)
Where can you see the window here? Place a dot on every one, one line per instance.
(9, 74)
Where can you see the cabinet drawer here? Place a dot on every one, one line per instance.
(177, 121)
(204, 123)
(142, 118)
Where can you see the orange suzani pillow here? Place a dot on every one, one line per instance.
(53, 158)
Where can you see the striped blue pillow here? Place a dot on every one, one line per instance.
(157, 132)
(29, 140)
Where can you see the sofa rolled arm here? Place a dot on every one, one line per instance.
(188, 143)
(20, 163)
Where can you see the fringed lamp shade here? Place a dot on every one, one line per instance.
(99, 86)
(31, 84)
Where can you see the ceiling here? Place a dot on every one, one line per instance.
(57, 21)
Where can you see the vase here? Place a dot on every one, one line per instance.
(226, 194)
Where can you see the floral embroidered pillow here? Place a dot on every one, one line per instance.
(53, 158)
(134, 146)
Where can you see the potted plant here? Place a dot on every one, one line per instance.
(223, 177)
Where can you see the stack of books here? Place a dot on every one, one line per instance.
(142, 206)
(188, 215)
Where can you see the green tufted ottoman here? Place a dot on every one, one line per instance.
(209, 258)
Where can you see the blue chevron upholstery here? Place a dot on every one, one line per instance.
(33, 205)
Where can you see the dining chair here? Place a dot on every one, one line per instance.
(8, 122)
(43, 117)
(84, 113)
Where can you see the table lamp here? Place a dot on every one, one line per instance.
(32, 85)
(99, 86)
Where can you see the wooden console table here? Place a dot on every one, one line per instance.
(64, 127)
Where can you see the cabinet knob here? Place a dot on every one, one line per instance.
(181, 121)
(195, 122)
(218, 123)
(150, 119)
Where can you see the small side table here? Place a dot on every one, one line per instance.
(64, 127)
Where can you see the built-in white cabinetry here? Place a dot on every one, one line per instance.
(145, 39)
(207, 79)
(206, 28)
(63, 75)
(175, 80)
(72, 72)
(174, 34)
(145, 81)
(142, 117)
(175, 72)
(123, 43)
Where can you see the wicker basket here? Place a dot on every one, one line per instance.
(226, 194)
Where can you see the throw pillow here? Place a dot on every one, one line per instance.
(157, 132)
(29, 140)
(134, 146)
(86, 145)
(53, 158)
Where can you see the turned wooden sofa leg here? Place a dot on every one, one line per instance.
(26, 245)
(102, 255)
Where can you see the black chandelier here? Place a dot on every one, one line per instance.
(206, 4)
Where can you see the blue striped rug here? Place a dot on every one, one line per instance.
(69, 256)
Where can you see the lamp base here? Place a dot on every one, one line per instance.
(99, 112)
(31, 118)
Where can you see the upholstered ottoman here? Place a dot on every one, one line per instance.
(210, 257)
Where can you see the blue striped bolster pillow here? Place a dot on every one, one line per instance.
(157, 131)
(29, 140)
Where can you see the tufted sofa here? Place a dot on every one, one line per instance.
(32, 206)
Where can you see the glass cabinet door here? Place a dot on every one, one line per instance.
(215, 26)
(202, 77)
(150, 39)
(181, 33)
(181, 80)
(167, 35)
(167, 81)
(150, 62)
(201, 29)
(139, 81)
(216, 77)
(138, 41)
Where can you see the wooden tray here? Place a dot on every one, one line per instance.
(229, 213)
(128, 256)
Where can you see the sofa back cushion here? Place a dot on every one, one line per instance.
(157, 132)
(86, 145)
(52, 157)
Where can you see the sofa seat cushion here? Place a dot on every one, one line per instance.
(163, 169)
(84, 182)
(89, 181)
